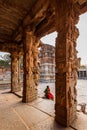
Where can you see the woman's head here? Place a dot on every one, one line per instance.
(47, 86)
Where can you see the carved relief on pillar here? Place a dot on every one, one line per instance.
(32, 60)
(31, 67)
(36, 63)
(15, 84)
(72, 67)
(66, 64)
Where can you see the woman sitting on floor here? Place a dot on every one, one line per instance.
(48, 94)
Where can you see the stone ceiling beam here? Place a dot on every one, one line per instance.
(48, 27)
(81, 5)
(83, 8)
(33, 17)
(11, 47)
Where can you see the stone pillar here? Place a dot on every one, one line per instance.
(31, 68)
(66, 63)
(15, 83)
(19, 80)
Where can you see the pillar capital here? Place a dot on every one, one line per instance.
(16, 54)
(30, 30)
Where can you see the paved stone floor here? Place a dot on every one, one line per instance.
(38, 115)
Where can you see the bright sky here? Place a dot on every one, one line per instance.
(50, 39)
(81, 41)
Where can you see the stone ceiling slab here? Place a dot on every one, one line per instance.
(37, 14)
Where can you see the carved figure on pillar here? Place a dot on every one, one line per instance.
(15, 84)
(36, 68)
(31, 69)
(66, 56)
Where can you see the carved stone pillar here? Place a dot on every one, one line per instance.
(19, 80)
(30, 67)
(66, 63)
(15, 82)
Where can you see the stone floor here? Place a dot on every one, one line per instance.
(38, 115)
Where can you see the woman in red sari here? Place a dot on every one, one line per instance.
(48, 94)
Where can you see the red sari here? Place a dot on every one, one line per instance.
(48, 94)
